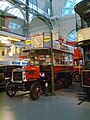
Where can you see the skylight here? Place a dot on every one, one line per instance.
(10, 9)
(68, 7)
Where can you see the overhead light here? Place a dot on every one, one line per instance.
(5, 41)
(22, 6)
(15, 39)
(10, 53)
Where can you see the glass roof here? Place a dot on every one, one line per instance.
(68, 7)
(23, 1)
(72, 35)
(4, 5)
(18, 8)
(10, 8)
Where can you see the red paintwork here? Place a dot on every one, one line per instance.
(72, 43)
(77, 69)
(22, 56)
(34, 70)
(63, 68)
(77, 54)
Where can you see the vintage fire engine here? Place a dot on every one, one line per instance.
(39, 61)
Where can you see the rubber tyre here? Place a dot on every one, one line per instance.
(76, 77)
(10, 91)
(35, 91)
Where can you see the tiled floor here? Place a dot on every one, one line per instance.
(63, 106)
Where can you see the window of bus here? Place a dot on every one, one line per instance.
(87, 56)
(62, 58)
(56, 58)
(67, 59)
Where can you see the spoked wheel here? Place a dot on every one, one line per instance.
(76, 77)
(10, 89)
(35, 91)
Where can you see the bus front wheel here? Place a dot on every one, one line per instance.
(35, 91)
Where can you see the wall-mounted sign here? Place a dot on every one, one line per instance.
(55, 35)
(37, 40)
(47, 38)
(28, 42)
(56, 45)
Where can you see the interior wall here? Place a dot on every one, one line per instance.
(37, 25)
(66, 23)
(57, 6)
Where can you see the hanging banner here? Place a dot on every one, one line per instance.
(47, 40)
(56, 45)
(28, 42)
(55, 35)
(37, 40)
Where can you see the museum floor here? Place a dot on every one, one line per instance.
(67, 104)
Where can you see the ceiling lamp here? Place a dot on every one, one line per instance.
(5, 41)
(10, 53)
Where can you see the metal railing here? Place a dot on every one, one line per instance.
(82, 24)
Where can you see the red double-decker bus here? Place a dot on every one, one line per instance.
(62, 61)
(77, 64)
(77, 61)
(59, 62)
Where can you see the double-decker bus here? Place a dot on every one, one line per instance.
(62, 61)
(77, 61)
(77, 64)
(40, 60)
(82, 10)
